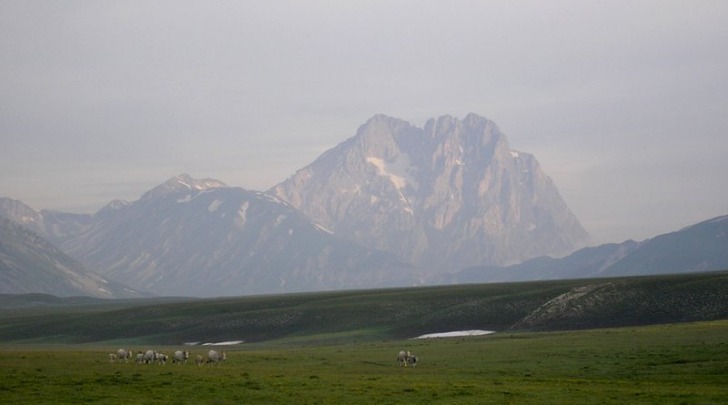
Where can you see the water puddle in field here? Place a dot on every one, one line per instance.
(474, 332)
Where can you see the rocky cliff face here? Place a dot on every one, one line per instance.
(443, 197)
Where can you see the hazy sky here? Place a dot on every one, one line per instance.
(624, 103)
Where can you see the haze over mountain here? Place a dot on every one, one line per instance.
(203, 238)
(450, 195)
(107, 102)
(30, 264)
(394, 205)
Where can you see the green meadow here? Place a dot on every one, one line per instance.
(684, 363)
(644, 340)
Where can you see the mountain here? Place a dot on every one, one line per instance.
(190, 237)
(55, 226)
(31, 264)
(203, 238)
(698, 248)
(439, 198)
(443, 197)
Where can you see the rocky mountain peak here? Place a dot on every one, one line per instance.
(181, 183)
(112, 207)
(379, 136)
(116, 205)
(18, 212)
(450, 194)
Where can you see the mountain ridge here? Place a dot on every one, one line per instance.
(208, 239)
(700, 247)
(707, 240)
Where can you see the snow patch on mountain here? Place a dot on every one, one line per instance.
(242, 217)
(323, 228)
(398, 171)
(214, 206)
(279, 220)
(271, 198)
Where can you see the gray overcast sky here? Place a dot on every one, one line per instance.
(624, 103)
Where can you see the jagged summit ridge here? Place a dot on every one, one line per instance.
(449, 194)
(183, 182)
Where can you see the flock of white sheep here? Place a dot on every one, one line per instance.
(152, 356)
(404, 358)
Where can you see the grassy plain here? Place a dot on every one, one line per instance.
(663, 364)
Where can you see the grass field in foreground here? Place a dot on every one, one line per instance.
(668, 364)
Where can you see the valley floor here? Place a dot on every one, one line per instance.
(665, 364)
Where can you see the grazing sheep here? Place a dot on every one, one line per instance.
(123, 354)
(213, 357)
(150, 356)
(199, 360)
(180, 356)
(412, 360)
(405, 358)
(160, 358)
(112, 357)
(402, 358)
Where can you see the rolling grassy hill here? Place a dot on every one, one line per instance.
(368, 315)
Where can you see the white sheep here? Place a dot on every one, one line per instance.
(213, 357)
